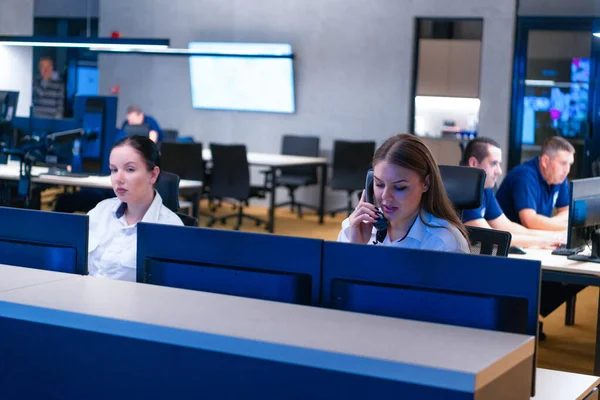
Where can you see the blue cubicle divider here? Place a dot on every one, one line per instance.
(44, 240)
(256, 265)
(485, 292)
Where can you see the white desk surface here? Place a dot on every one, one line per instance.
(274, 160)
(559, 263)
(424, 353)
(559, 385)
(11, 171)
(18, 277)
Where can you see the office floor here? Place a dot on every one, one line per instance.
(567, 348)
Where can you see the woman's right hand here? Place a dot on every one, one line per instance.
(361, 221)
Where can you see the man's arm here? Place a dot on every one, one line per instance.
(532, 220)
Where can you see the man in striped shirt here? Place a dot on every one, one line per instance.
(48, 91)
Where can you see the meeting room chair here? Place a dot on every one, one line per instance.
(293, 178)
(185, 160)
(351, 161)
(231, 180)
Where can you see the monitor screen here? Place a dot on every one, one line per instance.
(584, 213)
(242, 76)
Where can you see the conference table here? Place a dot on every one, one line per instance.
(276, 162)
(273, 162)
(561, 269)
(560, 385)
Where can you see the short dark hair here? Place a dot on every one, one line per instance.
(47, 58)
(477, 148)
(134, 108)
(554, 144)
(145, 147)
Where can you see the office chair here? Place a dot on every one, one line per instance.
(185, 160)
(187, 220)
(489, 242)
(231, 179)
(351, 161)
(464, 186)
(168, 188)
(293, 178)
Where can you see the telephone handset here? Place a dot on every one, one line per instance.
(381, 224)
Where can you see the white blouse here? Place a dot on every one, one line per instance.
(440, 236)
(112, 244)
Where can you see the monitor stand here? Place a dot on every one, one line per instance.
(595, 256)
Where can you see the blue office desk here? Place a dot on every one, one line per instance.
(95, 338)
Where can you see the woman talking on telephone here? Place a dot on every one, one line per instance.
(414, 210)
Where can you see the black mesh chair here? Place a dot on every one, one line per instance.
(464, 186)
(351, 161)
(185, 160)
(293, 178)
(231, 180)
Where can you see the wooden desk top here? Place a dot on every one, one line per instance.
(274, 160)
(559, 385)
(424, 353)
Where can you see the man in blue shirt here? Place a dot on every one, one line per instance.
(531, 191)
(135, 116)
(486, 154)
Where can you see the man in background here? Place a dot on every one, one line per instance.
(48, 91)
(135, 116)
(534, 190)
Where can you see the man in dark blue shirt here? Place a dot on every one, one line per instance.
(531, 191)
(486, 154)
(135, 116)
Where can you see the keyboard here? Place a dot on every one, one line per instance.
(62, 172)
(563, 251)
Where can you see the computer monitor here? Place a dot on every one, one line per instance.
(137, 130)
(584, 219)
(484, 292)
(45, 240)
(255, 265)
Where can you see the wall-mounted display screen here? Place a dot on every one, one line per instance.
(556, 99)
(242, 76)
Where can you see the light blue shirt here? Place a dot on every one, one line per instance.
(427, 233)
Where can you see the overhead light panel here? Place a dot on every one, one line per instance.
(597, 34)
(92, 43)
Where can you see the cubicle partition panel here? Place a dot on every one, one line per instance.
(485, 292)
(482, 292)
(261, 266)
(44, 240)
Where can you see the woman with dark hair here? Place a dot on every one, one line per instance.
(134, 168)
(408, 189)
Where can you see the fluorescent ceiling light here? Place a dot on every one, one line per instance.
(597, 34)
(93, 43)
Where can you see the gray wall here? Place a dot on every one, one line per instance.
(16, 18)
(353, 66)
(562, 8)
(66, 8)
